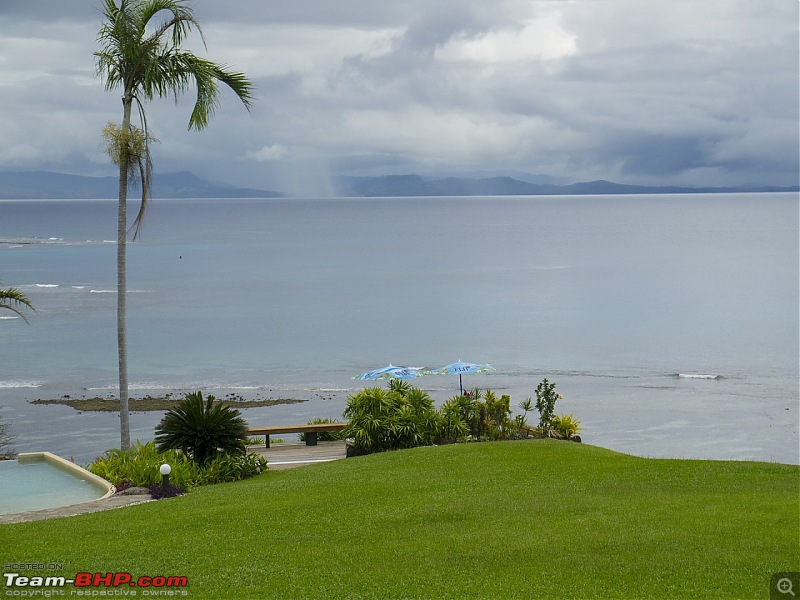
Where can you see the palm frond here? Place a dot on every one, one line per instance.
(13, 299)
(179, 25)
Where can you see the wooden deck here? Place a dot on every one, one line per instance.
(297, 454)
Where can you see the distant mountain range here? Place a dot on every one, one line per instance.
(44, 184)
(414, 185)
(23, 185)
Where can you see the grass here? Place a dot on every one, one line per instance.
(528, 519)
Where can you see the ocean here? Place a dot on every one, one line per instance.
(668, 322)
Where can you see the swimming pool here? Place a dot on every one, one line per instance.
(38, 480)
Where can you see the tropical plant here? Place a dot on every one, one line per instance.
(453, 426)
(139, 466)
(546, 397)
(7, 438)
(13, 299)
(526, 406)
(460, 417)
(231, 467)
(401, 417)
(202, 428)
(144, 58)
(401, 386)
(566, 425)
(495, 417)
(369, 415)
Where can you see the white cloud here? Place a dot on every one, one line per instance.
(269, 153)
(539, 39)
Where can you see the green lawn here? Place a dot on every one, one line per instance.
(528, 519)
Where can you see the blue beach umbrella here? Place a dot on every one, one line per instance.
(462, 368)
(391, 372)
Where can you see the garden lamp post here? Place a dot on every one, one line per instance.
(165, 470)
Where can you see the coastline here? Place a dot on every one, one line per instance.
(152, 403)
(648, 416)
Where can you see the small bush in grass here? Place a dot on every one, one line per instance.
(140, 465)
(566, 425)
(230, 467)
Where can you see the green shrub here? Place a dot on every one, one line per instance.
(566, 425)
(140, 465)
(401, 417)
(231, 467)
(202, 428)
(368, 413)
(324, 436)
(546, 397)
(404, 417)
(453, 424)
(495, 418)
(478, 415)
(460, 417)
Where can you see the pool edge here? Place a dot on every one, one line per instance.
(62, 463)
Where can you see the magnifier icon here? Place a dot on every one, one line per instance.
(784, 586)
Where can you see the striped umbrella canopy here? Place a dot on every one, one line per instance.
(462, 368)
(391, 372)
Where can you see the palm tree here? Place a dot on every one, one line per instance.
(13, 299)
(144, 58)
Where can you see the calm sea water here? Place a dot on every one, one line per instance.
(670, 323)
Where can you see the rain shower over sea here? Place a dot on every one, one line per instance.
(669, 323)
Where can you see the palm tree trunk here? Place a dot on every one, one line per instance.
(122, 286)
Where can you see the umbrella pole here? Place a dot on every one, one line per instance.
(460, 385)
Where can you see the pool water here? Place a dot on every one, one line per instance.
(40, 482)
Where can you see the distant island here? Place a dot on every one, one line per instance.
(24, 185)
(415, 185)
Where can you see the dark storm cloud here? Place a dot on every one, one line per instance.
(692, 92)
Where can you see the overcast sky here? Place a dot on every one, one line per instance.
(692, 92)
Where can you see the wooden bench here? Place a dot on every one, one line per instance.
(310, 430)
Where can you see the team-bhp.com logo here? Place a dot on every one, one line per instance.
(94, 584)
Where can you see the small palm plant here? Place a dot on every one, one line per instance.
(202, 428)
